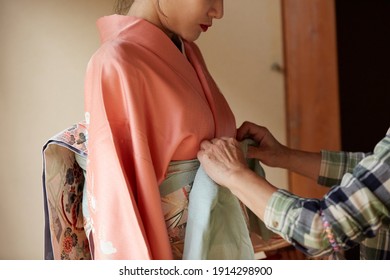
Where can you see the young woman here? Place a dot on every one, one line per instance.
(149, 101)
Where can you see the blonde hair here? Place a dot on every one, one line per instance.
(122, 6)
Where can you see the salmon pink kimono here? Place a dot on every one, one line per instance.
(147, 103)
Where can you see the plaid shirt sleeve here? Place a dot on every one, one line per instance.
(335, 164)
(357, 208)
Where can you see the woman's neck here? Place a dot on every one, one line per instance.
(149, 12)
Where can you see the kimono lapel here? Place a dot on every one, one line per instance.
(210, 91)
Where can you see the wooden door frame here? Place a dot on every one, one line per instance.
(312, 95)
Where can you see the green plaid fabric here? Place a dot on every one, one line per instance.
(357, 206)
(335, 164)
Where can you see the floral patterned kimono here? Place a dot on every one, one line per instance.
(63, 186)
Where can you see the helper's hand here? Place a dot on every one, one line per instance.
(274, 154)
(222, 160)
(269, 150)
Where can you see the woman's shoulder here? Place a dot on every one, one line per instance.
(117, 52)
(117, 48)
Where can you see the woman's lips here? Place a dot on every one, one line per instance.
(204, 27)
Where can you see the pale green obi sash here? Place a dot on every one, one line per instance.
(218, 226)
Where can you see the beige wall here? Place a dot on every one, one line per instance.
(45, 46)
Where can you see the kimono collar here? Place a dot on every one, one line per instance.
(141, 32)
(130, 28)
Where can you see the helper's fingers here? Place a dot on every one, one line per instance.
(251, 130)
(205, 144)
(253, 152)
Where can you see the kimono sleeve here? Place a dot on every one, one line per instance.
(122, 189)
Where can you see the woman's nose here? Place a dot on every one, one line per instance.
(216, 11)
